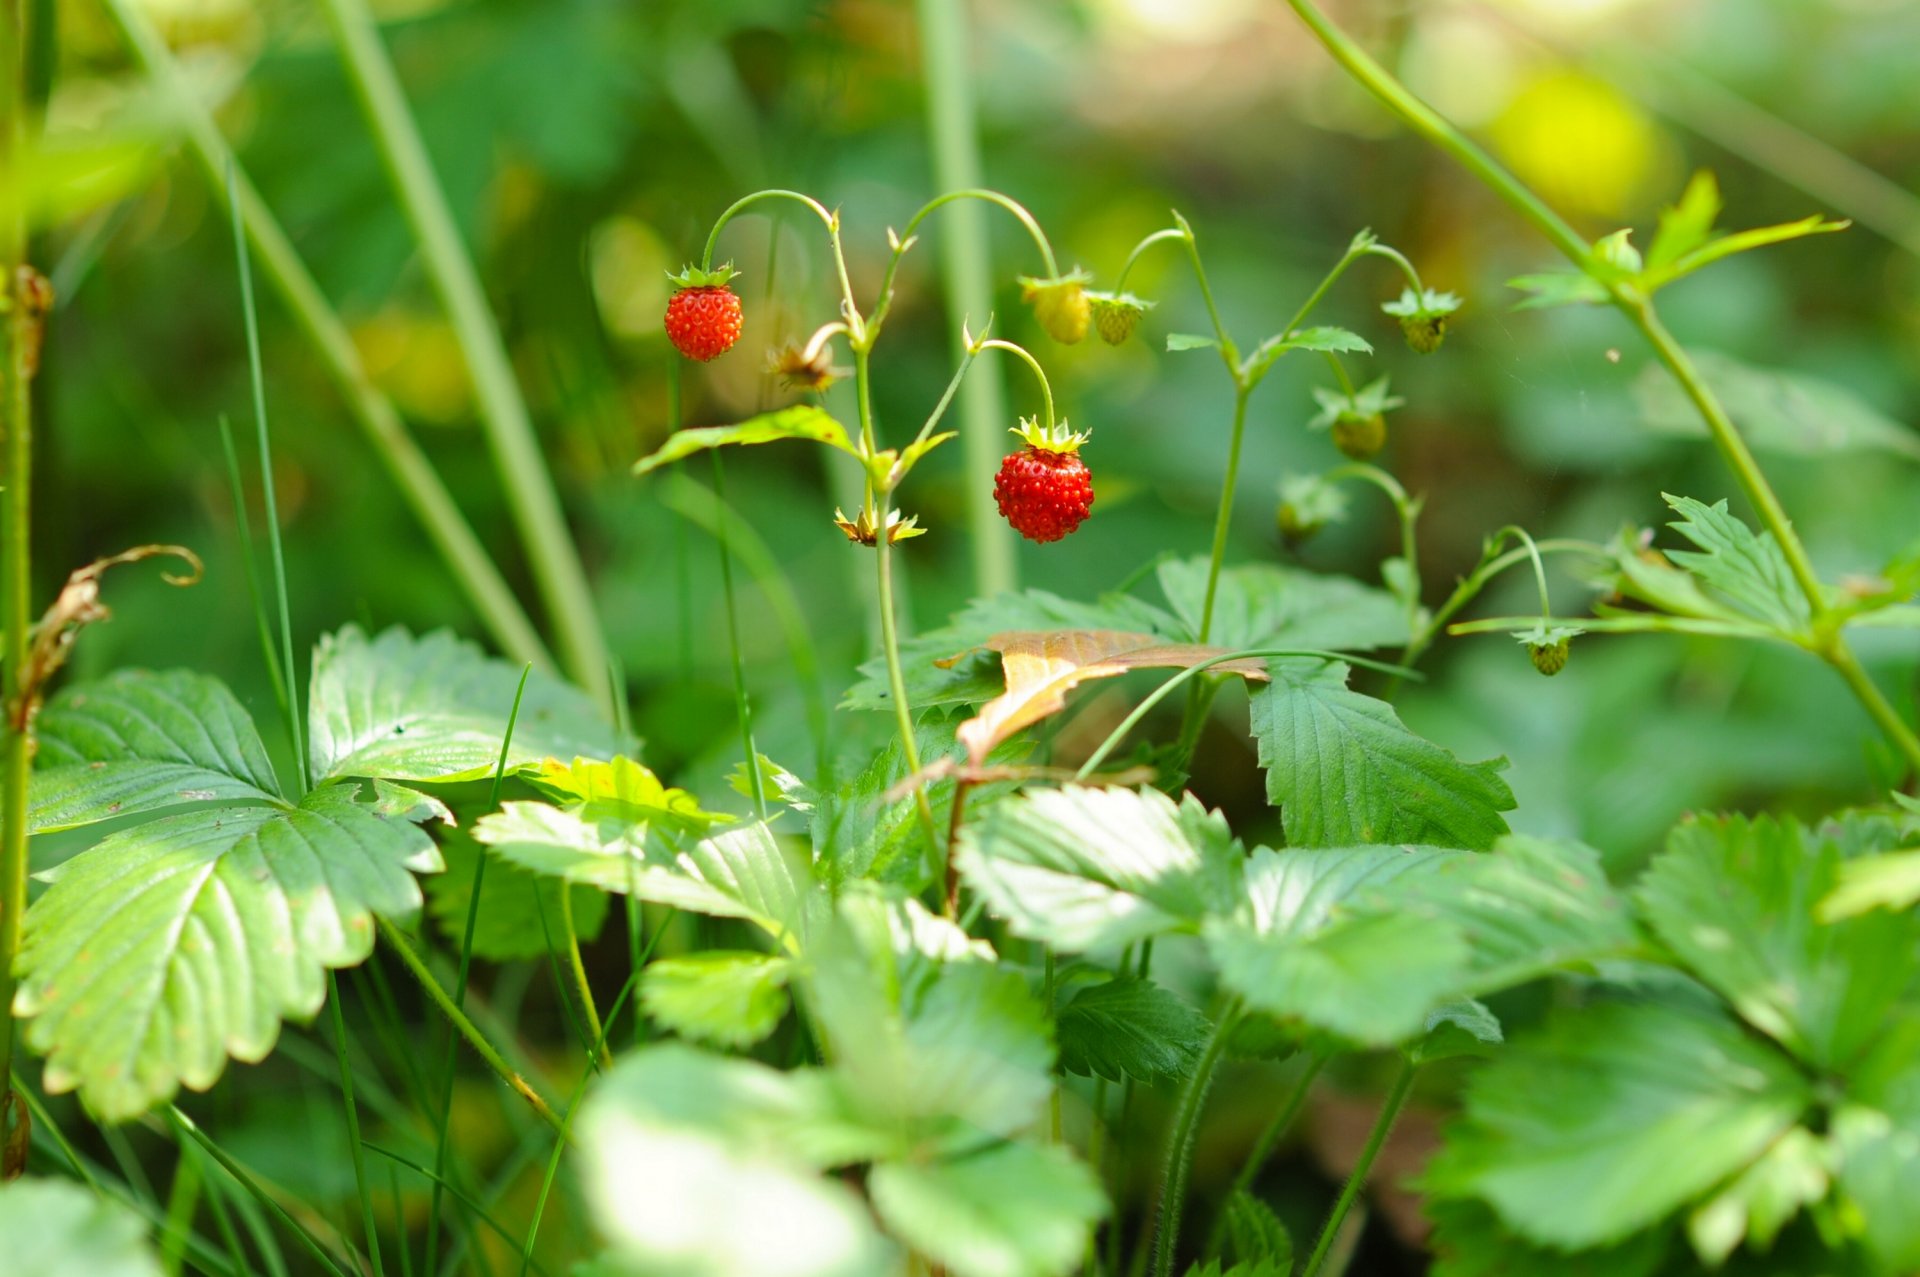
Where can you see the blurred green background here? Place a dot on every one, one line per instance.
(586, 147)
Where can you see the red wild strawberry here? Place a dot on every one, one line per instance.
(1044, 490)
(703, 315)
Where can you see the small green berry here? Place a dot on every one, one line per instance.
(1360, 437)
(1116, 315)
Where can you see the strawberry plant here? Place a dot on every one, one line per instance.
(436, 965)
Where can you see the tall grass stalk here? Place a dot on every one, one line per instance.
(535, 506)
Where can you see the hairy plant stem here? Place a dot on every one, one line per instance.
(410, 957)
(1831, 644)
(19, 334)
(1269, 1140)
(535, 506)
(1180, 1139)
(420, 485)
(903, 713)
(1376, 1139)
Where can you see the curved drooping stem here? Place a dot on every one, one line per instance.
(904, 239)
(832, 220)
(1040, 374)
(1830, 643)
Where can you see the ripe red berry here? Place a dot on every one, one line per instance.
(703, 323)
(1044, 490)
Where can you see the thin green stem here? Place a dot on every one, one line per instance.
(1040, 374)
(1269, 1140)
(1229, 352)
(1013, 206)
(966, 268)
(1160, 693)
(578, 967)
(1158, 237)
(479, 1212)
(183, 1201)
(1407, 511)
(1353, 254)
(411, 959)
(19, 337)
(185, 1125)
(820, 210)
(1180, 1140)
(302, 779)
(464, 970)
(1223, 521)
(1841, 657)
(531, 499)
(353, 1126)
(967, 357)
(43, 1122)
(1376, 1139)
(420, 486)
(1491, 565)
(742, 708)
(255, 597)
(897, 685)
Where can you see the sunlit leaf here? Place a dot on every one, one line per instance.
(168, 947)
(435, 708)
(1009, 1210)
(1041, 668)
(1685, 226)
(1098, 868)
(1761, 1199)
(801, 421)
(57, 1228)
(1128, 1027)
(1344, 770)
(1610, 1120)
(1190, 341)
(726, 998)
(142, 741)
(519, 914)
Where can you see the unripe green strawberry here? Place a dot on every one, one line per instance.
(1060, 304)
(703, 315)
(1308, 503)
(1547, 645)
(1116, 315)
(1423, 317)
(1360, 437)
(1044, 490)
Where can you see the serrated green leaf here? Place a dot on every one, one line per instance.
(1746, 568)
(949, 666)
(1777, 410)
(168, 947)
(1611, 1119)
(435, 708)
(1528, 907)
(1343, 769)
(1890, 881)
(1266, 605)
(1298, 948)
(1255, 1234)
(1010, 1210)
(1326, 339)
(1096, 868)
(743, 873)
(730, 999)
(1130, 1028)
(1470, 1241)
(1791, 1174)
(519, 911)
(1735, 899)
(1463, 1027)
(1879, 1158)
(139, 741)
(1559, 288)
(801, 421)
(1190, 341)
(701, 1166)
(56, 1228)
(1685, 226)
(1723, 246)
(626, 792)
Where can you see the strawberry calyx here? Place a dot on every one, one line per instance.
(692, 276)
(1055, 438)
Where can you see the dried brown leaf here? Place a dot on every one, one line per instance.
(1042, 666)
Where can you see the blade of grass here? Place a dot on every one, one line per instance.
(479, 1212)
(185, 1125)
(353, 1127)
(244, 530)
(742, 708)
(420, 486)
(531, 498)
(460, 980)
(183, 1199)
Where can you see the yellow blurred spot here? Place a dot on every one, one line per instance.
(1187, 21)
(629, 262)
(1582, 145)
(416, 359)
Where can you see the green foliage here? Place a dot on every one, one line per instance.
(1613, 1119)
(1008, 1210)
(167, 947)
(1787, 412)
(57, 1228)
(802, 421)
(1736, 565)
(141, 742)
(519, 916)
(1266, 605)
(1087, 869)
(723, 998)
(434, 708)
(1343, 769)
(1128, 1027)
(1255, 1235)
